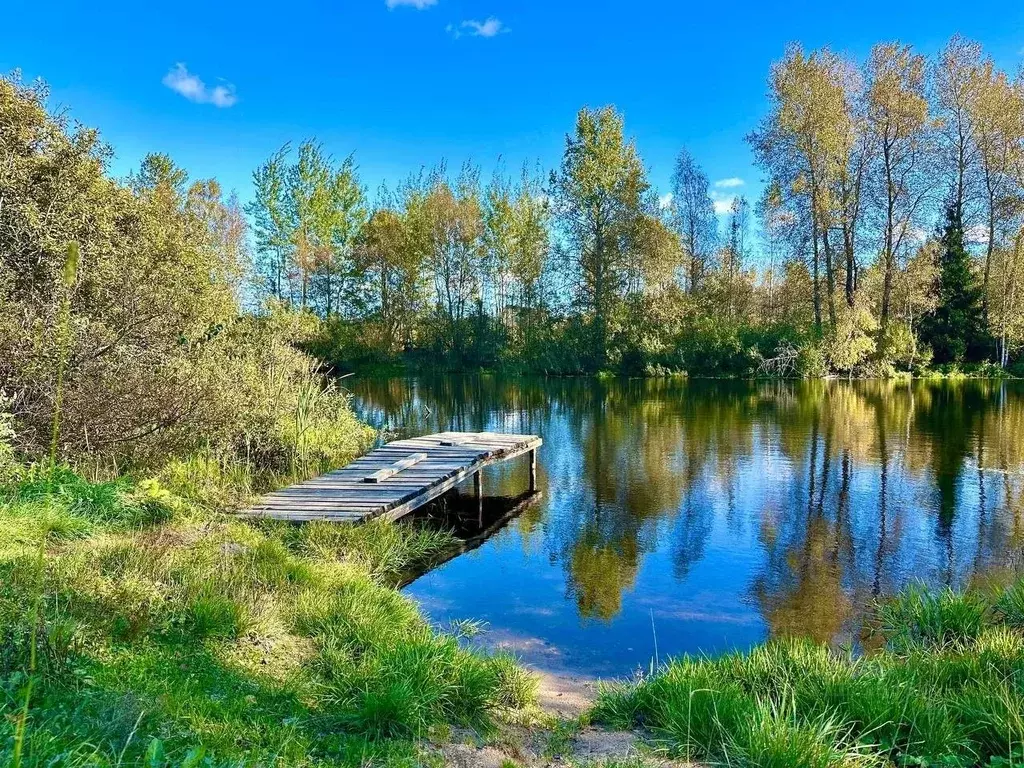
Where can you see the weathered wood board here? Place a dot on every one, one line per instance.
(406, 474)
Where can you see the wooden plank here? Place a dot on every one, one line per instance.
(431, 493)
(396, 478)
(394, 469)
(454, 441)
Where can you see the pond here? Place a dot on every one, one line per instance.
(702, 516)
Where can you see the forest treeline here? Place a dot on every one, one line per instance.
(888, 238)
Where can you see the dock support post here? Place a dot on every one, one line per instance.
(478, 487)
(533, 470)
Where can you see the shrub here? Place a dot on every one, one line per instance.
(162, 361)
(811, 362)
(9, 466)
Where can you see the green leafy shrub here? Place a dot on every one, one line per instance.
(812, 362)
(10, 467)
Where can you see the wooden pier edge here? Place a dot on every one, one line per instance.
(397, 478)
(433, 492)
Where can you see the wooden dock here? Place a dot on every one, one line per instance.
(393, 480)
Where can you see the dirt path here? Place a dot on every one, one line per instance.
(557, 738)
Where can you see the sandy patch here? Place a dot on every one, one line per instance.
(565, 695)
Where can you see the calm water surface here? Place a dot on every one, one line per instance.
(704, 516)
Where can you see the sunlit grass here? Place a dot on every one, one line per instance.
(947, 689)
(170, 634)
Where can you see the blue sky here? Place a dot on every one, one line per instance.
(421, 80)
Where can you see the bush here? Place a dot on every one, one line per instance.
(811, 362)
(163, 362)
(9, 465)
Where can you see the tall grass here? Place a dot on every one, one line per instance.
(166, 632)
(945, 617)
(947, 689)
(35, 616)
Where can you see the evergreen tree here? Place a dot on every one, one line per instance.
(956, 328)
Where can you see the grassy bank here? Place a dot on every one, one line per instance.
(144, 627)
(947, 689)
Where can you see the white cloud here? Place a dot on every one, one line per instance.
(916, 234)
(664, 201)
(419, 5)
(977, 234)
(181, 81)
(473, 28)
(722, 201)
(732, 181)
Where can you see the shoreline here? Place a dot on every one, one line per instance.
(413, 372)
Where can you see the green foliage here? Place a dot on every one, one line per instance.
(811, 362)
(516, 687)
(387, 551)
(9, 465)
(599, 196)
(850, 342)
(152, 357)
(955, 330)
(70, 507)
(919, 616)
(1011, 606)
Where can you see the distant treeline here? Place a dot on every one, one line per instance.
(890, 238)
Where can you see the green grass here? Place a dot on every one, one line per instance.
(933, 618)
(170, 635)
(947, 689)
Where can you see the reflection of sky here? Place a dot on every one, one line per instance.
(686, 521)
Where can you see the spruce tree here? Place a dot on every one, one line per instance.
(956, 328)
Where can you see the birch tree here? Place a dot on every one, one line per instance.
(599, 195)
(693, 216)
(898, 119)
(805, 143)
(271, 224)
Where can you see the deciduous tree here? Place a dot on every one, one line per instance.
(599, 197)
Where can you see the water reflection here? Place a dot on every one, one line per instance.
(714, 514)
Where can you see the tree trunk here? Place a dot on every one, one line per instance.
(830, 277)
(816, 292)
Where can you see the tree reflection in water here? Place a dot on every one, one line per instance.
(723, 511)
